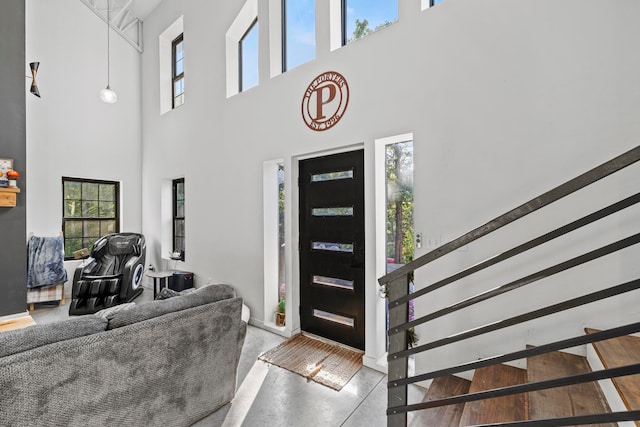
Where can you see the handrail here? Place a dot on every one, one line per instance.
(572, 226)
(527, 280)
(571, 186)
(397, 289)
(571, 421)
(522, 388)
(522, 354)
(515, 320)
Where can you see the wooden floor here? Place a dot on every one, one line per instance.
(618, 352)
(499, 409)
(19, 323)
(578, 399)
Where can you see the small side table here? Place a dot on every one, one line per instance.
(160, 280)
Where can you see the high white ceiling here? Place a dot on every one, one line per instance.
(125, 16)
(136, 8)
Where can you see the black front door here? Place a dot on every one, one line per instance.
(332, 247)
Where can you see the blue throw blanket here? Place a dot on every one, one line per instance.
(46, 262)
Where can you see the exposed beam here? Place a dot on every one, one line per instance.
(136, 44)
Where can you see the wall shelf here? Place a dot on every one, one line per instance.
(8, 196)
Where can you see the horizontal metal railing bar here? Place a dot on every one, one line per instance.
(527, 280)
(571, 421)
(557, 193)
(521, 388)
(535, 314)
(522, 354)
(572, 226)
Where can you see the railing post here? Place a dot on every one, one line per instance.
(397, 366)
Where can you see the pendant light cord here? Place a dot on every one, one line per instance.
(108, 45)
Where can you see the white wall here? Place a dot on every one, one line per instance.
(505, 100)
(70, 131)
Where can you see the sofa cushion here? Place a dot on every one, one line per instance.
(108, 313)
(151, 309)
(13, 342)
(166, 293)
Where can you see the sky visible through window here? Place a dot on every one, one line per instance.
(300, 32)
(377, 13)
(250, 58)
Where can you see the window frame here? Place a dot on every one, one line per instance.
(343, 22)
(176, 77)
(82, 219)
(175, 216)
(283, 22)
(240, 65)
(284, 19)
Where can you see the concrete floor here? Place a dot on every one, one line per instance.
(271, 396)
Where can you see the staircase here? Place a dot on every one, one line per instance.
(545, 385)
(575, 400)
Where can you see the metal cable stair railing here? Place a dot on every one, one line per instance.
(397, 290)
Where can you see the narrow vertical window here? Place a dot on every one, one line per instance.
(178, 219)
(90, 210)
(399, 207)
(275, 266)
(281, 241)
(363, 17)
(177, 60)
(298, 32)
(248, 56)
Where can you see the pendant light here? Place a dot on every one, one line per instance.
(107, 94)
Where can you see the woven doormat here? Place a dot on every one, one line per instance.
(324, 363)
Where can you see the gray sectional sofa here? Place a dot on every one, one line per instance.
(163, 363)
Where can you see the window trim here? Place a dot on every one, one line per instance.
(240, 67)
(343, 21)
(116, 218)
(175, 78)
(283, 22)
(175, 213)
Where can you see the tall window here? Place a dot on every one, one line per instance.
(362, 17)
(90, 210)
(177, 61)
(281, 241)
(298, 32)
(178, 217)
(248, 56)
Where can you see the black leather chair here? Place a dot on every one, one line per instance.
(112, 276)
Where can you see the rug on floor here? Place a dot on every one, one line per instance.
(327, 364)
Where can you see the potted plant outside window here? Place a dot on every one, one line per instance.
(280, 313)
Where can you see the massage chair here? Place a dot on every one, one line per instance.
(112, 274)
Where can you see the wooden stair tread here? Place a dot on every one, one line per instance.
(578, 399)
(443, 416)
(499, 409)
(621, 351)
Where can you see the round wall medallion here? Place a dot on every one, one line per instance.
(325, 101)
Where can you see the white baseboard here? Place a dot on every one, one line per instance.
(14, 316)
(271, 327)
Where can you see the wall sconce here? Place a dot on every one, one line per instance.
(34, 85)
